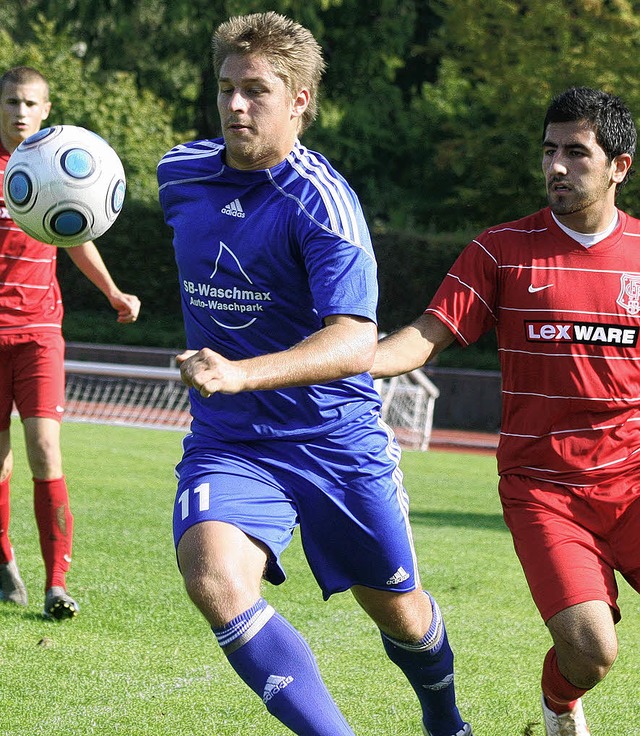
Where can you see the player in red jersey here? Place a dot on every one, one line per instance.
(562, 289)
(32, 357)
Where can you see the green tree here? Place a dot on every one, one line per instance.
(138, 125)
(480, 120)
(375, 50)
(134, 121)
(164, 43)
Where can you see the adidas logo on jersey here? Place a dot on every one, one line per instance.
(274, 685)
(234, 209)
(398, 577)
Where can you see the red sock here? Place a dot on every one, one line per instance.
(559, 693)
(6, 554)
(55, 526)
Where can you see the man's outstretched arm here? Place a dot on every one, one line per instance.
(411, 347)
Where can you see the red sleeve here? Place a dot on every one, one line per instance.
(466, 298)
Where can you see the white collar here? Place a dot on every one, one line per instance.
(589, 239)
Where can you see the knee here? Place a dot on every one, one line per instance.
(42, 438)
(585, 642)
(218, 593)
(584, 666)
(210, 591)
(222, 570)
(403, 616)
(600, 661)
(45, 462)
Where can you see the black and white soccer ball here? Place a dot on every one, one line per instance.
(64, 185)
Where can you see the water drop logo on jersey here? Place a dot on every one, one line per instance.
(229, 295)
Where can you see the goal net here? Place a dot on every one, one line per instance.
(154, 397)
(114, 393)
(407, 406)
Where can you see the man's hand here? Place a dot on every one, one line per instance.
(127, 306)
(209, 372)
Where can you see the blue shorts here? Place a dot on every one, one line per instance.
(344, 490)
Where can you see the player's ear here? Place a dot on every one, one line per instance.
(46, 109)
(620, 166)
(300, 102)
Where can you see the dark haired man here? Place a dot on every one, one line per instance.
(562, 289)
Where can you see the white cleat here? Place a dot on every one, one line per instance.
(572, 723)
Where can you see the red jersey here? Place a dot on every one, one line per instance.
(568, 321)
(30, 299)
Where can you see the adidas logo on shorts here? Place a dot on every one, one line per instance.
(398, 577)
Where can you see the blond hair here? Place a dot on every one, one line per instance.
(292, 51)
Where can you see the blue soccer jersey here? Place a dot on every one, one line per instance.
(263, 257)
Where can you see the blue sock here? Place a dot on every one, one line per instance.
(277, 664)
(428, 665)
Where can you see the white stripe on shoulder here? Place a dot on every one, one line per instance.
(199, 150)
(518, 230)
(333, 191)
(182, 152)
(189, 179)
(493, 258)
(473, 291)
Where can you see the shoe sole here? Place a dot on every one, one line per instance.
(60, 610)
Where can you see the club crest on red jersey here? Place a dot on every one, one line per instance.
(629, 297)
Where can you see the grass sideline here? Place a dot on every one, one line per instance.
(139, 660)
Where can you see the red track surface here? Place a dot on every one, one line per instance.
(459, 440)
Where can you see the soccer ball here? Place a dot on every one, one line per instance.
(64, 185)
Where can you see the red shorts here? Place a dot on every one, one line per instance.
(570, 540)
(32, 376)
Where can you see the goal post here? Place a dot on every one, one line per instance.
(407, 406)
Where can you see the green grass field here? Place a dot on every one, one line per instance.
(140, 660)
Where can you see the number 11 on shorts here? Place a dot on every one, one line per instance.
(201, 493)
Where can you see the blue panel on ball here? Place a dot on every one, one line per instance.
(78, 163)
(20, 187)
(68, 223)
(117, 199)
(36, 137)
